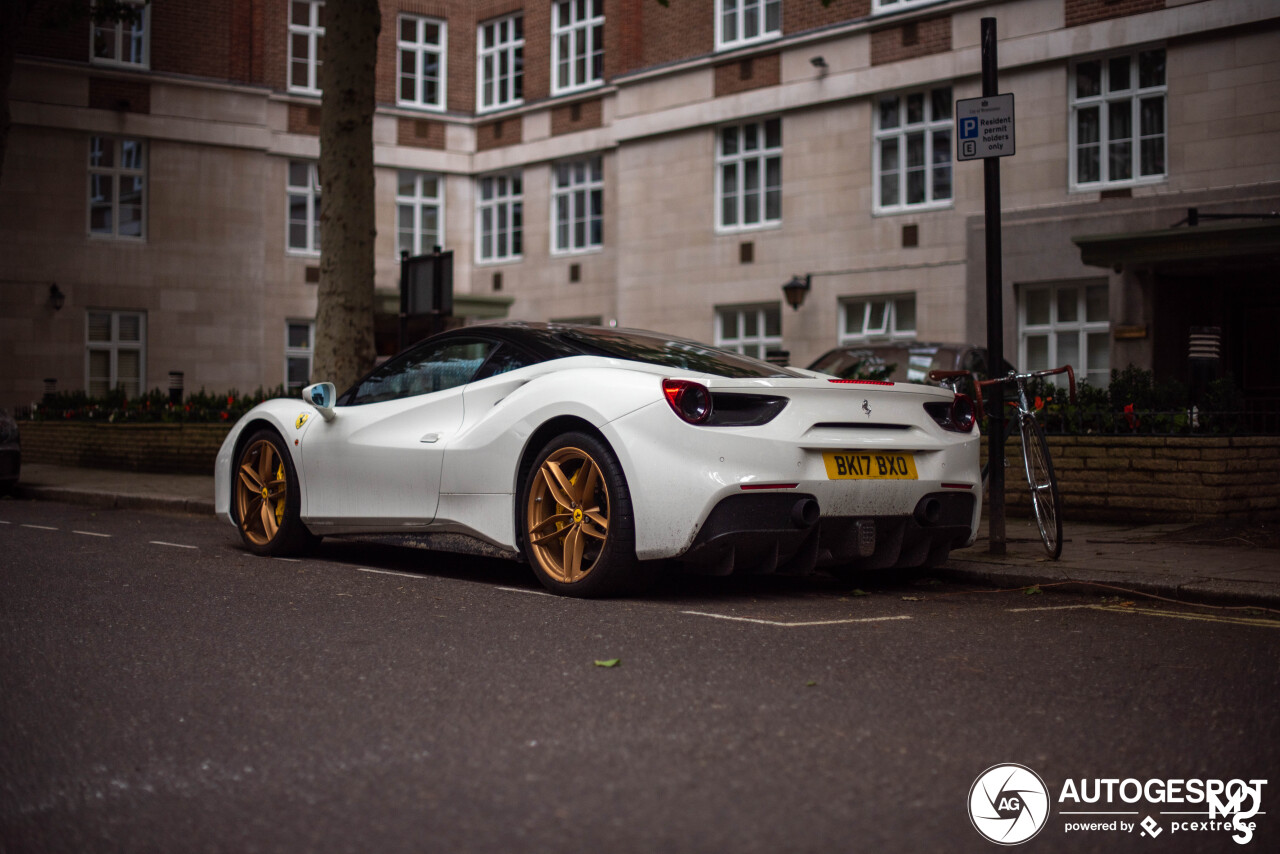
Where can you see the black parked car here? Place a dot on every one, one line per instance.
(10, 452)
(904, 361)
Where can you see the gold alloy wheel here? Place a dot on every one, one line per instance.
(568, 515)
(261, 492)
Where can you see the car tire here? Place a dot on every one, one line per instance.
(266, 498)
(577, 526)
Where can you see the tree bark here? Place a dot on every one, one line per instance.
(344, 347)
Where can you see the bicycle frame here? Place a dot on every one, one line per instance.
(1036, 460)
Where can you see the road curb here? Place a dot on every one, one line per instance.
(115, 501)
(1198, 591)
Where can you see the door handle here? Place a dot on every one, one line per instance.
(430, 438)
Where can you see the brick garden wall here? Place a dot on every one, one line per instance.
(185, 448)
(1156, 478)
(1101, 478)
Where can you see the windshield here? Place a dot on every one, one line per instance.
(670, 352)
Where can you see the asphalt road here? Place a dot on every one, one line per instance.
(163, 690)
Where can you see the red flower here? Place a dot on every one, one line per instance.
(231, 401)
(225, 415)
(1131, 416)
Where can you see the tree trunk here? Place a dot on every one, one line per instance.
(344, 316)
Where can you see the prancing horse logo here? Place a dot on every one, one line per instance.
(866, 407)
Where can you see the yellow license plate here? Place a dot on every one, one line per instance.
(866, 465)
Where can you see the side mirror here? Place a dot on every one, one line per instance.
(321, 396)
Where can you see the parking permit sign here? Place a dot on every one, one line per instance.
(984, 127)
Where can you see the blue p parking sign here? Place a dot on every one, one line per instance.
(985, 127)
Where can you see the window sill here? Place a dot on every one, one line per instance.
(724, 47)
(731, 230)
(421, 108)
(1102, 187)
(497, 108)
(573, 90)
(566, 253)
(923, 207)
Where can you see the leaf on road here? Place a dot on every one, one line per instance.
(912, 598)
(858, 592)
(610, 662)
(1033, 590)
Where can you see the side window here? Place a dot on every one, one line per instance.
(423, 370)
(507, 358)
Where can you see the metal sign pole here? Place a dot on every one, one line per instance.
(995, 305)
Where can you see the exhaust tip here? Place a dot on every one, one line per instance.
(929, 511)
(805, 512)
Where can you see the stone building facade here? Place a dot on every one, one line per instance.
(664, 167)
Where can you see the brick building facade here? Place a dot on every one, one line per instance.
(661, 167)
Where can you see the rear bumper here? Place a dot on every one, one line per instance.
(784, 532)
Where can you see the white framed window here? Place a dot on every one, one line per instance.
(306, 29)
(877, 318)
(882, 6)
(1118, 120)
(752, 330)
(115, 352)
(1066, 324)
(912, 151)
(117, 187)
(421, 48)
(419, 212)
(299, 351)
(740, 22)
(577, 45)
(500, 217)
(500, 63)
(749, 175)
(577, 205)
(304, 207)
(123, 42)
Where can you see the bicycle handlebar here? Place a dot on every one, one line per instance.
(940, 376)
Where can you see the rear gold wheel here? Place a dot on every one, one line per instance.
(577, 527)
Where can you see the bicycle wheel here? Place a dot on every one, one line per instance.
(1044, 486)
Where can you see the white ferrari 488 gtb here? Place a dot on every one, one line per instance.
(593, 453)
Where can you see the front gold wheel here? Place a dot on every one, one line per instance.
(267, 498)
(262, 490)
(568, 515)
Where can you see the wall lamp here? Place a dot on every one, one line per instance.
(796, 290)
(819, 63)
(56, 297)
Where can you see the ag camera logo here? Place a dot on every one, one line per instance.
(1008, 804)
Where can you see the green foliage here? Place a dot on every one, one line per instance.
(1136, 402)
(152, 407)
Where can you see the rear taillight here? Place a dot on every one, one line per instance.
(690, 400)
(958, 416)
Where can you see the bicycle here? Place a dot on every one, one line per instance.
(1045, 499)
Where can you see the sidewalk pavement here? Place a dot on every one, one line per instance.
(1100, 558)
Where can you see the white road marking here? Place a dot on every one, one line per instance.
(289, 559)
(91, 533)
(389, 572)
(531, 592)
(175, 545)
(1050, 608)
(797, 624)
(40, 527)
(3, 522)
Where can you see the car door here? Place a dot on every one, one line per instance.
(376, 465)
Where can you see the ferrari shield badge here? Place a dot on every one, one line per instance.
(302, 419)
